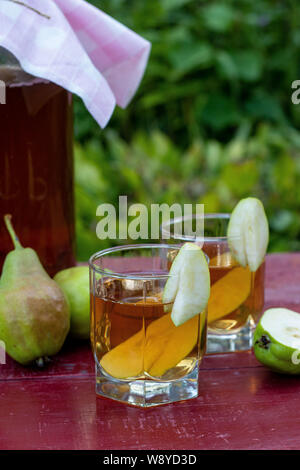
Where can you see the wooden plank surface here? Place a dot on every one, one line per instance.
(241, 404)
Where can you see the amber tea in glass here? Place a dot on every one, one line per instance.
(141, 357)
(237, 295)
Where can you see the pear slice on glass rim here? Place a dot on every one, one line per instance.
(188, 285)
(248, 233)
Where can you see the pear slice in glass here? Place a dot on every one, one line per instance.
(188, 285)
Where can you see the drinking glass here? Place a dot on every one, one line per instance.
(141, 357)
(237, 295)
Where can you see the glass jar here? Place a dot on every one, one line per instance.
(36, 166)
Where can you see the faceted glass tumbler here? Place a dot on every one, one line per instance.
(237, 295)
(141, 357)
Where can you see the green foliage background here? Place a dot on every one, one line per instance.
(212, 121)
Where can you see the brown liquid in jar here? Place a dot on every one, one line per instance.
(36, 168)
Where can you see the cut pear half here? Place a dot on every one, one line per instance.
(248, 233)
(283, 325)
(188, 285)
(277, 340)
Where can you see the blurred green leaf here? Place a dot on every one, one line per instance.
(219, 17)
(249, 64)
(173, 4)
(188, 57)
(241, 178)
(226, 65)
(264, 106)
(220, 112)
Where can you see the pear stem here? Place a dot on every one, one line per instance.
(12, 233)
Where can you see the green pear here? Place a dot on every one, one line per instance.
(34, 313)
(75, 284)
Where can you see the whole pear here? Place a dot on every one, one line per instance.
(34, 313)
(75, 284)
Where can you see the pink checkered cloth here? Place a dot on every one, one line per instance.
(78, 47)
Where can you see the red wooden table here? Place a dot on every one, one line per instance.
(241, 404)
